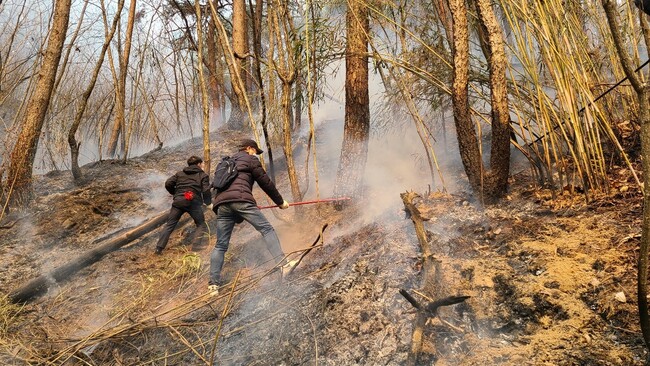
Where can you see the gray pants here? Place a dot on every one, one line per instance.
(228, 214)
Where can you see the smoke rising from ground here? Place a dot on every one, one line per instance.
(396, 163)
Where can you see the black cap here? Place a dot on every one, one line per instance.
(250, 143)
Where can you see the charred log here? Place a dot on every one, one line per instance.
(40, 285)
(431, 309)
(428, 271)
(431, 279)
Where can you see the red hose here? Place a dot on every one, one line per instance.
(308, 202)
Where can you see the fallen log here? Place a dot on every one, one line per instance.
(431, 309)
(40, 284)
(430, 273)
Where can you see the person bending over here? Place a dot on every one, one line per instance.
(236, 203)
(190, 189)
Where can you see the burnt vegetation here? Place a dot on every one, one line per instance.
(342, 304)
(522, 247)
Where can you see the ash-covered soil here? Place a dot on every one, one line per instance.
(552, 279)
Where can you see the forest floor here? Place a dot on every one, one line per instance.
(552, 278)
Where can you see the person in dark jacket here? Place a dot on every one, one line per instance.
(236, 203)
(190, 189)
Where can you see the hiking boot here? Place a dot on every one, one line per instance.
(213, 289)
(158, 251)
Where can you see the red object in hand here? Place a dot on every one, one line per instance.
(189, 195)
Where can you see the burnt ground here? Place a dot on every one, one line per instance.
(552, 279)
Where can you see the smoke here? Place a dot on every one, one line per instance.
(396, 163)
(156, 195)
(397, 159)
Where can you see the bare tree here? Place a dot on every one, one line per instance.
(215, 68)
(354, 152)
(641, 89)
(19, 180)
(282, 27)
(63, 67)
(202, 85)
(120, 89)
(235, 76)
(257, 12)
(83, 103)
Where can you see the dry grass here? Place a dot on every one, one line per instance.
(133, 315)
(9, 313)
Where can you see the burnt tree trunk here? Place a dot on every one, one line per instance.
(19, 178)
(429, 271)
(40, 284)
(488, 184)
(468, 142)
(496, 181)
(354, 150)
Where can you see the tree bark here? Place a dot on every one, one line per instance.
(19, 182)
(281, 27)
(354, 150)
(641, 89)
(120, 88)
(496, 182)
(287, 142)
(240, 50)
(488, 184)
(297, 110)
(205, 106)
(81, 108)
(215, 68)
(468, 142)
(257, 49)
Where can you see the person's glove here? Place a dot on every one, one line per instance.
(284, 205)
(209, 207)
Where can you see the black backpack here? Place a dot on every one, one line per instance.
(224, 174)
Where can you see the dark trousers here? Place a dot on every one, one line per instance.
(228, 214)
(195, 210)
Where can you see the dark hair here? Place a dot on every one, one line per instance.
(194, 160)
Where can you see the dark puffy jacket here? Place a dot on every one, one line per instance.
(241, 190)
(191, 178)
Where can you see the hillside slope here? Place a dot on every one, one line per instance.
(551, 280)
